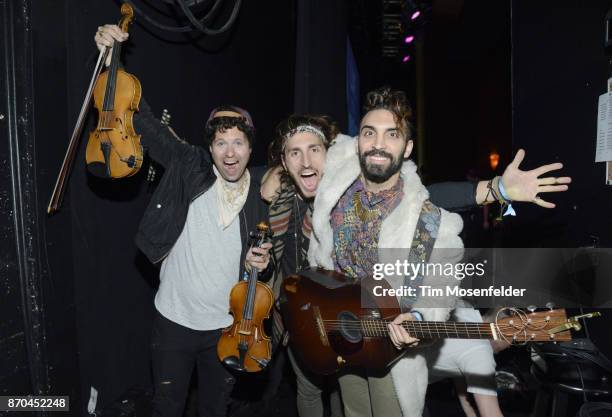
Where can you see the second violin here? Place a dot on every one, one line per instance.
(244, 346)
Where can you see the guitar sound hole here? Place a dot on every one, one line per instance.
(350, 327)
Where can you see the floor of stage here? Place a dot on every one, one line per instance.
(441, 399)
(517, 399)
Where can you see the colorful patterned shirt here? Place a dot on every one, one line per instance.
(356, 221)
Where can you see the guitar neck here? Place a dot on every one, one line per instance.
(432, 329)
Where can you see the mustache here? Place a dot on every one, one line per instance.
(301, 171)
(378, 152)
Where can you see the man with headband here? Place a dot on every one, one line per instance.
(197, 226)
(299, 146)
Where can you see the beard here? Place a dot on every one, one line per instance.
(379, 173)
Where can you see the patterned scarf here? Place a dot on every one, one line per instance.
(356, 221)
(231, 196)
(282, 208)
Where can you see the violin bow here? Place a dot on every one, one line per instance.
(60, 185)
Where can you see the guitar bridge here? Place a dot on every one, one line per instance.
(320, 326)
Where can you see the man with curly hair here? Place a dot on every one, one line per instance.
(197, 226)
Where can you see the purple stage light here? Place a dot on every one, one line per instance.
(406, 58)
(409, 39)
(415, 15)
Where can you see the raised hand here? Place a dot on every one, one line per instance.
(526, 185)
(106, 36)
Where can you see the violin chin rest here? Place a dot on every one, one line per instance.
(97, 169)
(233, 362)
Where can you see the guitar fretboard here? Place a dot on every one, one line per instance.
(418, 329)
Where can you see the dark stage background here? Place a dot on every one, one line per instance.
(492, 75)
(559, 69)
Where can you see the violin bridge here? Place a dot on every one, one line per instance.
(244, 332)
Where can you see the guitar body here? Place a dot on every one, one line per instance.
(313, 301)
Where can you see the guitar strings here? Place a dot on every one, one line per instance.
(470, 329)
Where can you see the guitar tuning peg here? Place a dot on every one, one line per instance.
(550, 305)
(151, 173)
(531, 308)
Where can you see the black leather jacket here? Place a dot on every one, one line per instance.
(188, 174)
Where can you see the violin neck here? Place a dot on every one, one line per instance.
(247, 311)
(250, 301)
(109, 93)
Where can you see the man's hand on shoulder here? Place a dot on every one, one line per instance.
(271, 184)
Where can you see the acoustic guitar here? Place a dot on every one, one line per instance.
(330, 329)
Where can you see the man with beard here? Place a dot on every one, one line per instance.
(371, 199)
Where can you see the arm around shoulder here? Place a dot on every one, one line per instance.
(454, 196)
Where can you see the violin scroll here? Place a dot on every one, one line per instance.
(127, 16)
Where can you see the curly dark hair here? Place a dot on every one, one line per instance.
(394, 101)
(284, 130)
(223, 123)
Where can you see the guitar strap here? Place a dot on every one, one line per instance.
(421, 248)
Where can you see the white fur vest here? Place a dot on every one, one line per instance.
(342, 169)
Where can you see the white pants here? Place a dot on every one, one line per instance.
(468, 358)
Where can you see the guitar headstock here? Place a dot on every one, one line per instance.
(517, 326)
(165, 117)
(164, 121)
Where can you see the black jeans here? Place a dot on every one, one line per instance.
(175, 351)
